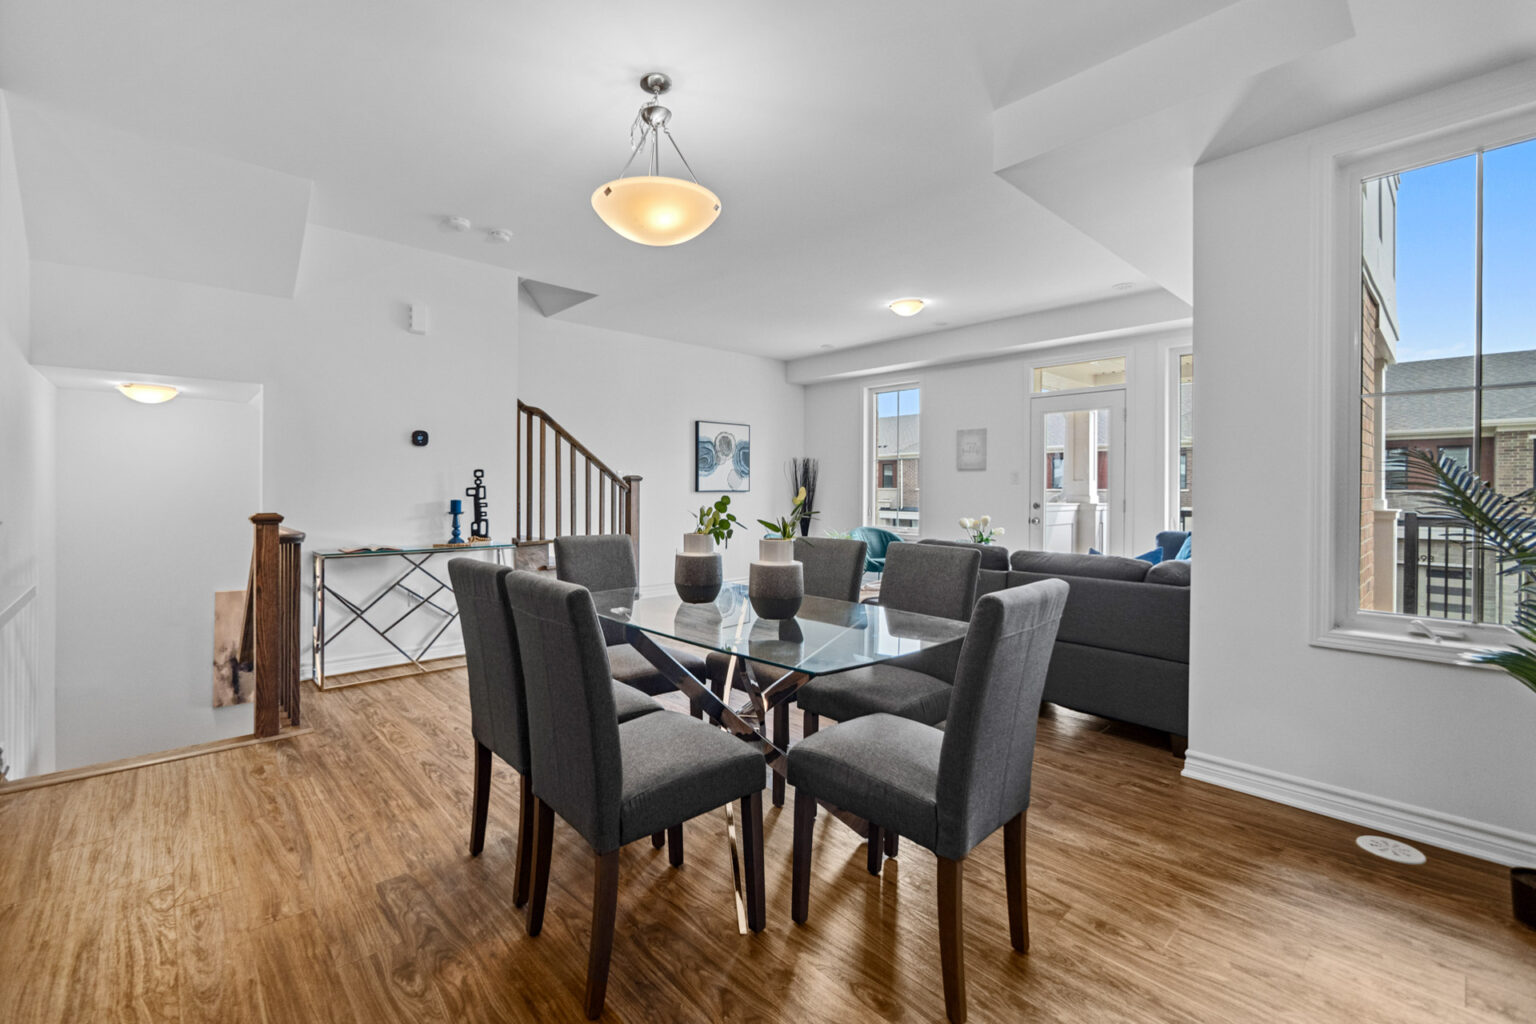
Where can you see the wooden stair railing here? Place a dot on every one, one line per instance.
(586, 496)
(269, 639)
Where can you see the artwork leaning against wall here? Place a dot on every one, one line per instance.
(1448, 367)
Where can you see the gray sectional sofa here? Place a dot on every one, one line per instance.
(1123, 647)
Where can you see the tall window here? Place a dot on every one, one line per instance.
(1448, 368)
(896, 459)
(1186, 439)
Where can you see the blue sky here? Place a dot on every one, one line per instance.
(1436, 255)
(894, 403)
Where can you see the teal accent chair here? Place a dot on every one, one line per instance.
(876, 540)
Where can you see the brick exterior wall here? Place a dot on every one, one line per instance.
(1512, 461)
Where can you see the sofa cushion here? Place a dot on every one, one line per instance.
(1174, 573)
(1052, 563)
(993, 556)
(1121, 615)
(1169, 542)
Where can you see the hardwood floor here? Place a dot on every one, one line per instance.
(327, 878)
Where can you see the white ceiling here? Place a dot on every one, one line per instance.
(862, 150)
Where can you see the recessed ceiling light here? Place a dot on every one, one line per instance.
(907, 307)
(1123, 286)
(149, 394)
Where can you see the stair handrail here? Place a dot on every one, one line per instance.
(617, 503)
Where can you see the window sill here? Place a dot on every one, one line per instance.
(1396, 645)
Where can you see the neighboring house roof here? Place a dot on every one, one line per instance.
(1409, 415)
(896, 435)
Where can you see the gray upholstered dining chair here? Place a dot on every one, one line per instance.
(606, 561)
(925, 579)
(834, 568)
(498, 709)
(615, 783)
(946, 790)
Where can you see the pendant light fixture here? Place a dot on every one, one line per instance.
(652, 209)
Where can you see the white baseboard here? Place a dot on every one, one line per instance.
(336, 666)
(1406, 821)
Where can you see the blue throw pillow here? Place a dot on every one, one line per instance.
(1094, 551)
(1154, 556)
(1184, 549)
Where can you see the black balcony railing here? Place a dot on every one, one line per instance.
(1436, 561)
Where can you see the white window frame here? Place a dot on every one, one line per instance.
(1468, 121)
(1171, 428)
(871, 487)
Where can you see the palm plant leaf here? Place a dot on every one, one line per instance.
(1506, 525)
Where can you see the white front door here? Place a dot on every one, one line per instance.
(1077, 472)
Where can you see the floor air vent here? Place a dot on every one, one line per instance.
(1390, 849)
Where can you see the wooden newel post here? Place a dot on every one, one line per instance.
(632, 514)
(265, 602)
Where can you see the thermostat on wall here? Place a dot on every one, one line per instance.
(419, 438)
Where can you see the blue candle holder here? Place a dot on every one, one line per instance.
(456, 509)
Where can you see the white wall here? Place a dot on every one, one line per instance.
(26, 502)
(343, 384)
(152, 503)
(1442, 753)
(992, 394)
(633, 401)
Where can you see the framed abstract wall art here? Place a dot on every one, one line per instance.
(722, 456)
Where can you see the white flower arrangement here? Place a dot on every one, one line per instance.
(981, 531)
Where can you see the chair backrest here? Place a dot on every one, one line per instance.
(1169, 542)
(931, 579)
(573, 729)
(599, 561)
(879, 540)
(498, 706)
(989, 737)
(833, 567)
(993, 556)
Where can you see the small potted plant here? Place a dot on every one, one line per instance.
(697, 571)
(776, 582)
(981, 531)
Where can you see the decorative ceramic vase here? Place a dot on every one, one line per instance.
(697, 572)
(776, 582)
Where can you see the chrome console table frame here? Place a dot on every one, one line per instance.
(417, 559)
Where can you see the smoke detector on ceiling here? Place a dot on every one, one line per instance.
(460, 224)
(500, 236)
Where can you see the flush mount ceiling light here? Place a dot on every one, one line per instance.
(652, 209)
(149, 394)
(907, 307)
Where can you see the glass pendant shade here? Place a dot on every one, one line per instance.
(149, 394)
(655, 210)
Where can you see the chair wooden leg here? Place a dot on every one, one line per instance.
(892, 842)
(525, 833)
(875, 849)
(605, 905)
(752, 855)
(780, 740)
(952, 937)
(543, 837)
(1018, 890)
(812, 722)
(805, 824)
(482, 804)
(659, 839)
(675, 845)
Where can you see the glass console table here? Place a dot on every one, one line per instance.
(423, 594)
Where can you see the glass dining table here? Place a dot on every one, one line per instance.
(769, 659)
